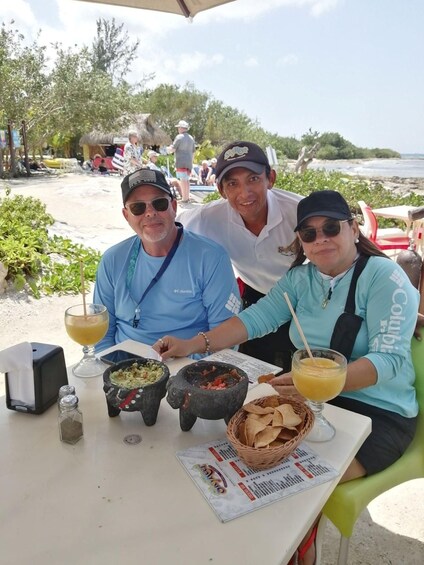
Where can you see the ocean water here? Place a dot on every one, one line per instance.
(407, 166)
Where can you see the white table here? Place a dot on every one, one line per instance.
(102, 501)
(401, 213)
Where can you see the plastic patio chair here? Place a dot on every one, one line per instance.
(384, 238)
(349, 499)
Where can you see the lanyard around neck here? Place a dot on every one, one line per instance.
(164, 266)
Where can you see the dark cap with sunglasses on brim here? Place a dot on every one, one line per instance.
(328, 203)
(144, 177)
(243, 154)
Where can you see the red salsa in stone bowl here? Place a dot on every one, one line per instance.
(207, 389)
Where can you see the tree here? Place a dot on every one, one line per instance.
(23, 76)
(225, 124)
(171, 103)
(71, 99)
(85, 90)
(112, 51)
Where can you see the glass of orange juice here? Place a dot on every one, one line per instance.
(319, 379)
(87, 326)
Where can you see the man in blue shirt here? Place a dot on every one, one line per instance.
(163, 280)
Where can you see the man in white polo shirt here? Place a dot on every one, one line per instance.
(255, 224)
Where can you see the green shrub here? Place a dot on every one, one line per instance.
(47, 264)
(210, 197)
(353, 189)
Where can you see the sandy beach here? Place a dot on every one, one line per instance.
(88, 210)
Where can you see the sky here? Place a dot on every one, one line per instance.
(348, 66)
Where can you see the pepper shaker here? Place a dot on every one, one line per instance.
(70, 419)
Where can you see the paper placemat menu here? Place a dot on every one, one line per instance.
(252, 367)
(233, 489)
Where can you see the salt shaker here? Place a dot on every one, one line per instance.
(63, 391)
(70, 419)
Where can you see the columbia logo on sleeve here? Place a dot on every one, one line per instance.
(233, 304)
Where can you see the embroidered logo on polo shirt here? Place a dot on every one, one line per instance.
(183, 291)
(289, 250)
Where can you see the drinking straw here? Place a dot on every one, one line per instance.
(299, 328)
(83, 288)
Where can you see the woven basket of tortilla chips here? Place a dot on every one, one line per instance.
(262, 440)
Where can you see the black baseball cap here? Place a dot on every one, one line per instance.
(143, 177)
(328, 203)
(241, 154)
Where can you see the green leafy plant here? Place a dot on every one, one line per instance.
(47, 264)
(352, 188)
(211, 196)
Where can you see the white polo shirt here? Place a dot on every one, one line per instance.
(260, 261)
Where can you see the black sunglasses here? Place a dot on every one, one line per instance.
(329, 228)
(160, 204)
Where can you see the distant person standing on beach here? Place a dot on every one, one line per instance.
(183, 147)
(132, 154)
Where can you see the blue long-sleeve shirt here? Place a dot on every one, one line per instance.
(387, 302)
(197, 291)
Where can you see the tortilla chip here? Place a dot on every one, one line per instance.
(266, 436)
(256, 409)
(277, 443)
(264, 418)
(302, 421)
(253, 427)
(271, 401)
(291, 419)
(286, 434)
(242, 433)
(265, 378)
(277, 419)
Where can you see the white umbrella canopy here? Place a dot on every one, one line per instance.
(187, 8)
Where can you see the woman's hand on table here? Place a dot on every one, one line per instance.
(168, 346)
(284, 384)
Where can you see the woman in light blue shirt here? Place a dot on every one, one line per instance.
(380, 375)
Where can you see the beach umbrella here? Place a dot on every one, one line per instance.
(187, 8)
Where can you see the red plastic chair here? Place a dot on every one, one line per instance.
(386, 238)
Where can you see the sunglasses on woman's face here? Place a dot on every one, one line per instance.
(330, 228)
(160, 204)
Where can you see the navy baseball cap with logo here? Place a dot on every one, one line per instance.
(143, 177)
(241, 154)
(328, 203)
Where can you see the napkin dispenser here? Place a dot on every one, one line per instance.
(49, 375)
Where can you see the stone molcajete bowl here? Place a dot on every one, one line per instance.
(186, 391)
(145, 399)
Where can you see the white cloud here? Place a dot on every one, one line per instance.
(251, 62)
(175, 69)
(251, 9)
(74, 23)
(216, 59)
(287, 60)
(321, 6)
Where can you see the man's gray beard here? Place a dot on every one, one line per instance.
(155, 238)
